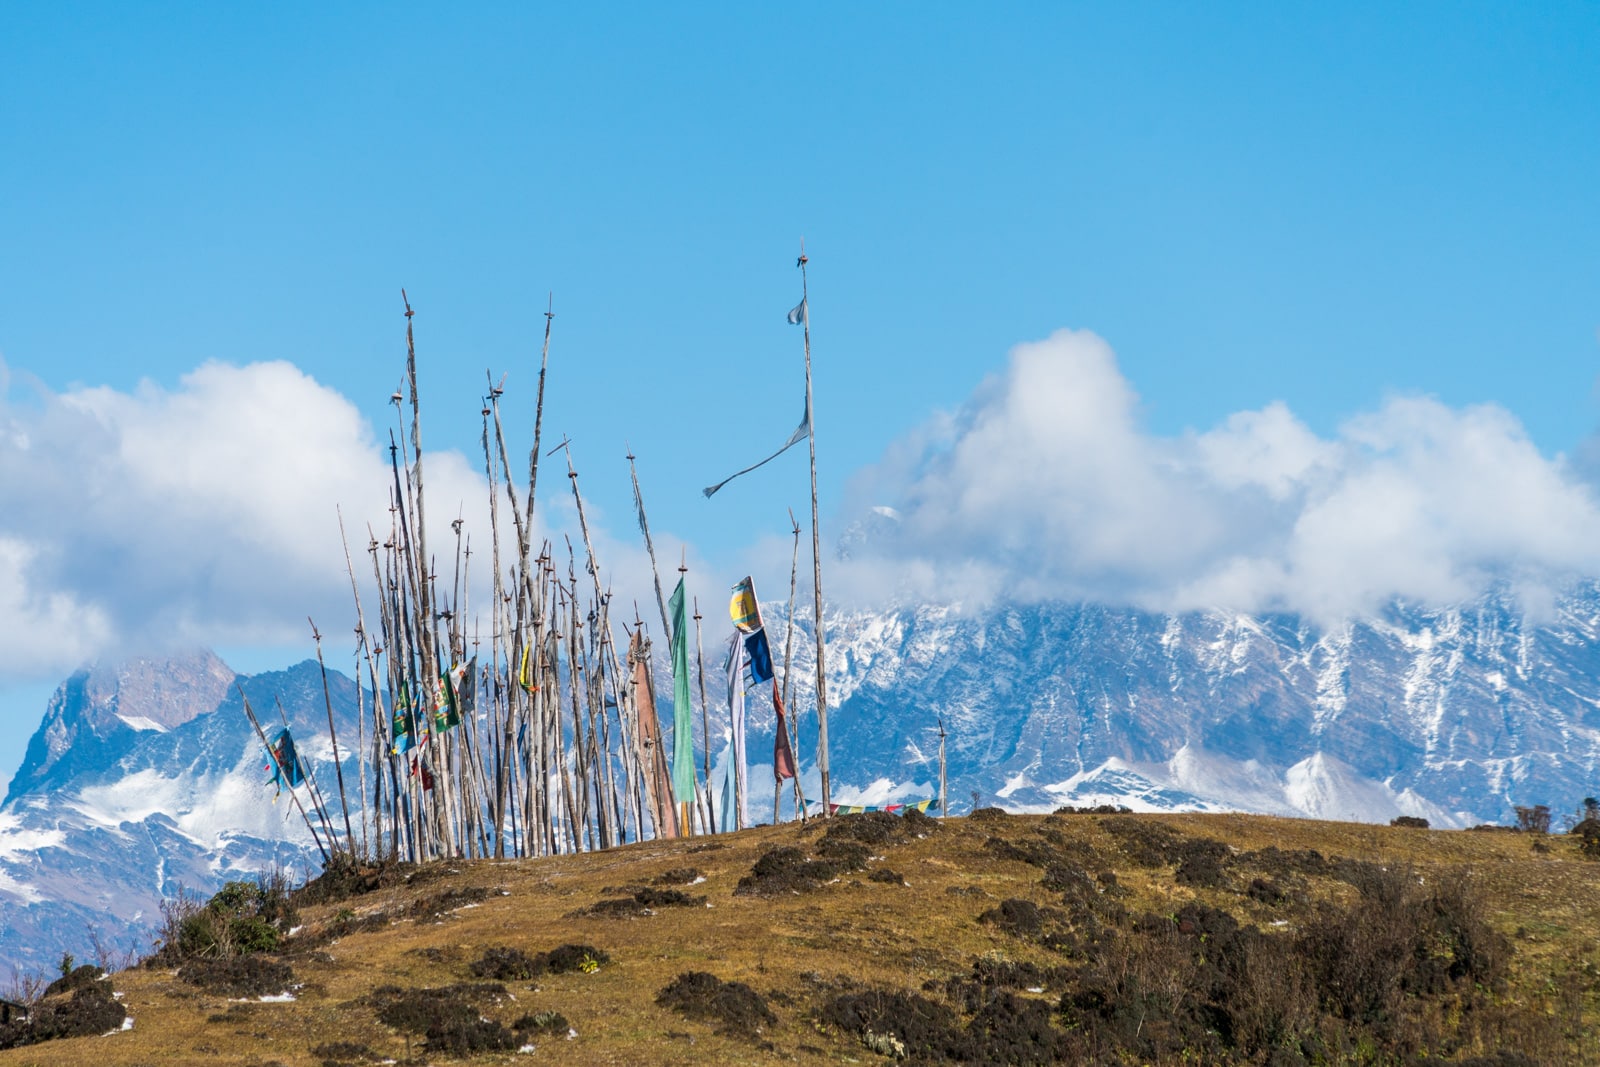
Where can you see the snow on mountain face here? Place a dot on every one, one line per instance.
(90, 713)
(1456, 715)
(93, 841)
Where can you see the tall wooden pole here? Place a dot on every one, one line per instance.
(816, 547)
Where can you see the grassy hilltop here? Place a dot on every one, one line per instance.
(1071, 938)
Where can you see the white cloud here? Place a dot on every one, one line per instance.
(1045, 486)
(209, 514)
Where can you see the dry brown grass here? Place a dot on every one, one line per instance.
(800, 950)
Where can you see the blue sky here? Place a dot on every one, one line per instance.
(1325, 208)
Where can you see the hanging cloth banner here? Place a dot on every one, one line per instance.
(683, 777)
(403, 724)
(743, 608)
(467, 689)
(782, 754)
(663, 810)
(857, 809)
(758, 658)
(727, 823)
(800, 434)
(525, 675)
(285, 763)
(736, 721)
(447, 713)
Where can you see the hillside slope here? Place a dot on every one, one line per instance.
(993, 938)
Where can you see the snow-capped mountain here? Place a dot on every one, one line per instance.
(1457, 715)
(148, 777)
(144, 780)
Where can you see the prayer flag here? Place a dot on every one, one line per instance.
(403, 723)
(683, 778)
(797, 314)
(285, 766)
(447, 713)
(758, 657)
(736, 721)
(742, 607)
(782, 754)
(800, 434)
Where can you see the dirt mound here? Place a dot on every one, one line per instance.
(677, 876)
(739, 1010)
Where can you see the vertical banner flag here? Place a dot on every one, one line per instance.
(285, 765)
(682, 714)
(726, 823)
(736, 719)
(797, 314)
(525, 674)
(447, 713)
(403, 724)
(664, 811)
(467, 689)
(782, 754)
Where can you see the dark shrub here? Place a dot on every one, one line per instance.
(84, 1012)
(1266, 891)
(738, 1009)
(239, 976)
(867, 827)
(544, 1022)
(929, 1031)
(505, 965)
(1534, 820)
(1409, 821)
(569, 958)
(450, 1017)
(1015, 1030)
(785, 870)
(84, 977)
(1588, 834)
(438, 905)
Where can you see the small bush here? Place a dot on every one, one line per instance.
(438, 905)
(85, 1011)
(785, 870)
(544, 1022)
(738, 1009)
(449, 1017)
(1588, 834)
(239, 976)
(241, 919)
(506, 965)
(1411, 822)
(1534, 820)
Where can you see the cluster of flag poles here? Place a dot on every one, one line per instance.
(534, 731)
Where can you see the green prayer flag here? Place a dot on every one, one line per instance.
(683, 777)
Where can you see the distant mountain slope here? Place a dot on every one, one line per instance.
(147, 778)
(97, 836)
(1455, 714)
